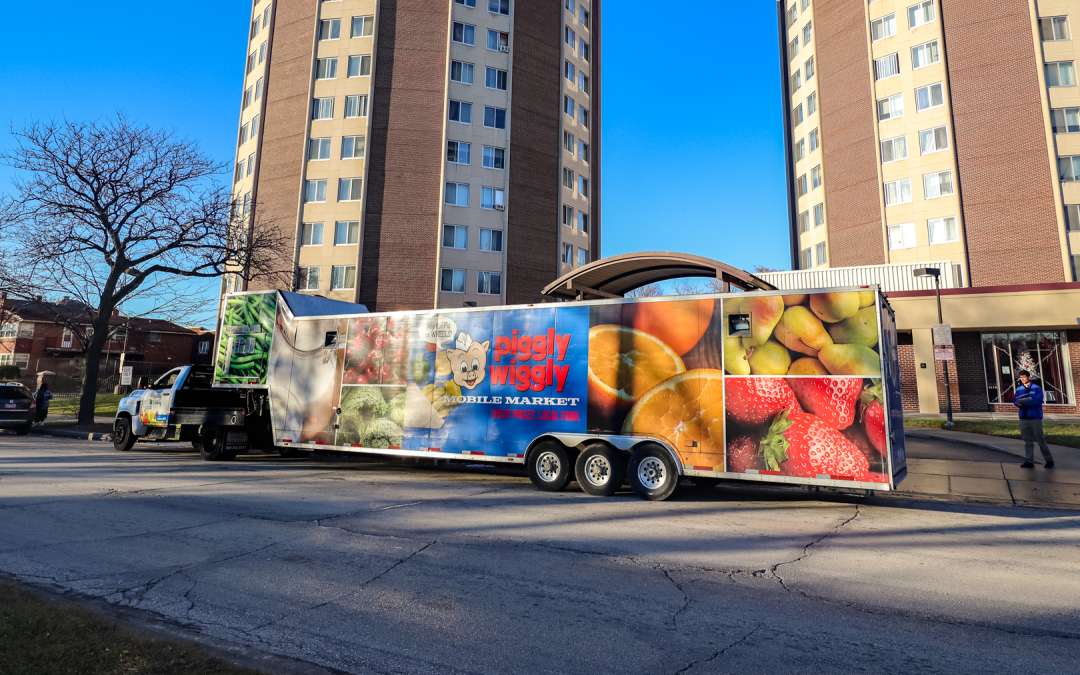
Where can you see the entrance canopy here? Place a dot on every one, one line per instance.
(615, 276)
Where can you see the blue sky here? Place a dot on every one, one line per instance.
(693, 141)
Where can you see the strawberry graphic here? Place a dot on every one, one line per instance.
(832, 399)
(743, 454)
(856, 435)
(800, 444)
(873, 418)
(756, 400)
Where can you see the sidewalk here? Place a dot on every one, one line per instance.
(998, 481)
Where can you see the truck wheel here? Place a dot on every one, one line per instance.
(549, 466)
(599, 470)
(653, 473)
(24, 429)
(211, 445)
(123, 438)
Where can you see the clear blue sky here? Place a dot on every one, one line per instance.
(693, 144)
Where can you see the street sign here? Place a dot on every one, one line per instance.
(942, 334)
(125, 375)
(944, 353)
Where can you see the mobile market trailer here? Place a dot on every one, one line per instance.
(762, 386)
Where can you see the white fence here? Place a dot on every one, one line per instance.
(888, 277)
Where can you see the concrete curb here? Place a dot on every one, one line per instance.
(73, 433)
(948, 437)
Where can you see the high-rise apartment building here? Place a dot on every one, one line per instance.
(935, 130)
(423, 153)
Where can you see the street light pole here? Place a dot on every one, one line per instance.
(936, 274)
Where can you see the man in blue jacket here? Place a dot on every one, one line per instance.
(1029, 399)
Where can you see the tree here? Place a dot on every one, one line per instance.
(109, 212)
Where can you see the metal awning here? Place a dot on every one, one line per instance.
(615, 276)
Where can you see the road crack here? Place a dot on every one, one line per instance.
(774, 571)
(719, 652)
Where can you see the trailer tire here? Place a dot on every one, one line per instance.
(653, 474)
(211, 445)
(549, 466)
(123, 438)
(600, 470)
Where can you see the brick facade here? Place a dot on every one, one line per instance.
(848, 144)
(1005, 180)
(909, 389)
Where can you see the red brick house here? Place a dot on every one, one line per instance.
(38, 335)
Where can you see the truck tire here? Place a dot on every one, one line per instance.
(653, 474)
(24, 429)
(599, 470)
(211, 445)
(549, 466)
(123, 438)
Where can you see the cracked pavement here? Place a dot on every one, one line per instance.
(378, 567)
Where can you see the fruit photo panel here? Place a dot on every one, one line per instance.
(830, 427)
(813, 334)
(656, 369)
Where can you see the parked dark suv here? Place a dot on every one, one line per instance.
(16, 407)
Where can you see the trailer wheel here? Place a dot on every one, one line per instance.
(599, 470)
(211, 445)
(123, 438)
(549, 465)
(653, 473)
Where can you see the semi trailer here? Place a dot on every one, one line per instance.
(764, 386)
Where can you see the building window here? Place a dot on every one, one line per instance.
(568, 215)
(815, 177)
(311, 234)
(342, 277)
(315, 191)
(800, 149)
(491, 240)
(568, 106)
(495, 78)
(498, 41)
(568, 178)
(356, 105)
(360, 65)
(882, 28)
(325, 69)
(1072, 217)
(814, 139)
(809, 67)
(319, 149)
(797, 115)
(461, 111)
(569, 72)
(887, 66)
(452, 280)
(891, 107)
(819, 215)
(67, 338)
(805, 259)
(583, 82)
(921, 13)
(1054, 28)
(807, 33)
(499, 7)
(819, 251)
(492, 198)
(204, 347)
(792, 14)
(353, 147)
(583, 116)
(942, 230)
(898, 192)
(801, 185)
(568, 254)
(464, 33)
(349, 189)
(9, 329)
(346, 232)
(793, 48)
(494, 158)
(901, 236)
(583, 186)
(329, 29)
(362, 26)
(1069, 168)
(925, 54)
(462, 72)
(455, 236)
(1043, 354)
(494, 118)
(930, 96)
(583, 221)
(1065, 120)
(804, 222)
(458, 152)
(307, 278)
(893, 149)
(933, 140)
(466, 3)
(1060, 74)
(489, 283)
(322, 108)
(582, 257)
(570, 37)
(938, 184)
(457, 194)
(811, 104)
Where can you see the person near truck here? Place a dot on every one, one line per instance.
(1029, 400)
(42, 396)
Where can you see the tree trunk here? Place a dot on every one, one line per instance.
(88, 394)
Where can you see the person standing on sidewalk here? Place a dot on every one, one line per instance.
(1029, 399)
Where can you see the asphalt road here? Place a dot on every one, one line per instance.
(375, 567)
